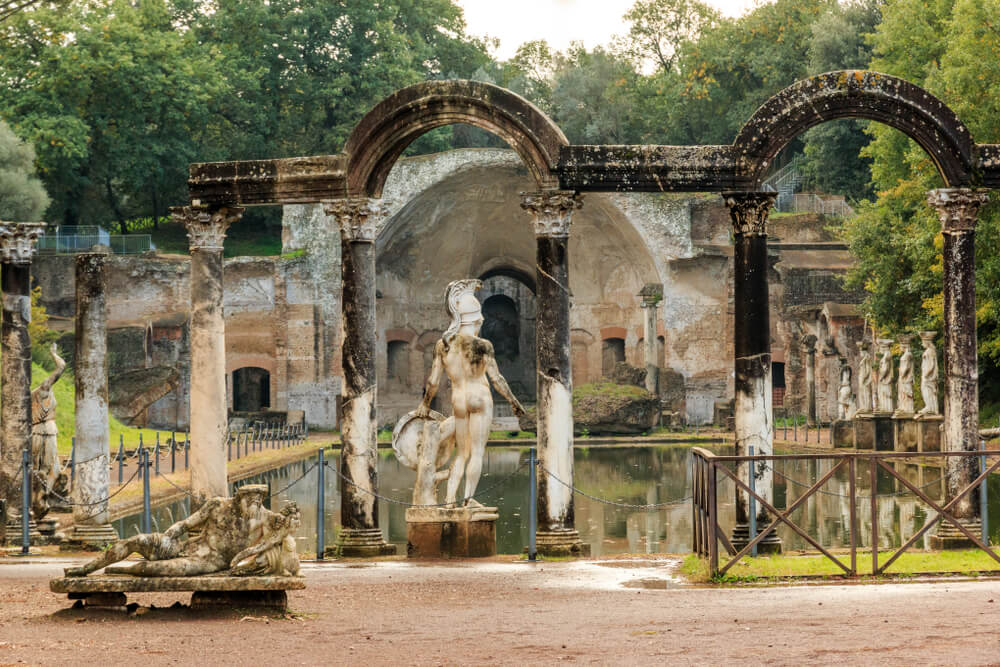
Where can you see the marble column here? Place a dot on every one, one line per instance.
(551, 212)
(91, 521)
(17, 245)
(958, 209)
(206, 228)
(651, 295)
(358, 220)
(809, 341)
(752, 342)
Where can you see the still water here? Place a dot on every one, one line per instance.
(647, 475)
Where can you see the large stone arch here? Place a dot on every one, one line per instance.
(857, 94)
(385, 131)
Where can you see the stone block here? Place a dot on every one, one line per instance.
(907, 434)
(885, 434)
(842, 433)
(929, 433)
(864, 432)
(451, 533)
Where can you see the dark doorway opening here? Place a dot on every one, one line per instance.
(251, 389)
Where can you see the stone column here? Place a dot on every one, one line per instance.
(17, 245)
(651, 294)
(551, 212)
(958, 208)
(91, 525)
(752, 342)
(809, 341)
(358, 220)
(206, 228)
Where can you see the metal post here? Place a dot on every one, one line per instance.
(72, 462)
(142, 472)
(532, 505)
(753, 502)
(147, 523)
(320, 507)
(157, 453)
(852, 486)
(874, 503)
(173, 453)
(795, 429)
(121, 459)
(25, 501)
(229, 446)
(984, 497)
(187, 448)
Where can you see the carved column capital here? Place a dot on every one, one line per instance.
(206, 226)
(551, 210)
(651, 294)
(17, 241)
(958, 208)
(749, 211)
(359, 219)
(809, 341)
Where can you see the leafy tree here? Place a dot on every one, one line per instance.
(592, 97)
(22, 196)
(658, 29)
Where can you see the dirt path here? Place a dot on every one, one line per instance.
(504, 612)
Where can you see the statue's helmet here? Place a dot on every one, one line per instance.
(462, 304)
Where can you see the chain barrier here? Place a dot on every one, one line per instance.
(404, 503)
(291, 484)
(647, 507)
(93, 504)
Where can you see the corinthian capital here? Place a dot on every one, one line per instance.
(551, 210)
(17, 241)
(957, 207)
(749, 211)
(359, 219)
(206, 227)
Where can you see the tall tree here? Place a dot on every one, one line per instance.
(659, 28)
(22, 196)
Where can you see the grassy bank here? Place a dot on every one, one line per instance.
(786, 566)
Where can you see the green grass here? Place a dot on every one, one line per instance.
(65, 392)
(911, 563)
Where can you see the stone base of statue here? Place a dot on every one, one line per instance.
(461, 532)
(769, 545)
(950, 537)
(209, 590)
(905, 432)
(864, 430)
(89, 537)
(842, 433)
(363, 543)
(929, 432)
(35, 537)
(885, 432)
(560, 543)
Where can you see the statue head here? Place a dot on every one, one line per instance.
(250, 499)
(291, 516)
(463, 306)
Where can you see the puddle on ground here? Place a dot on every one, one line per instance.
(652, 584)
(636, 564)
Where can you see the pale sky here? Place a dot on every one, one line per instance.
(559, 22)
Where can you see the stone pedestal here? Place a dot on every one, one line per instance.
(35, 537)
(950, 537)
(864, 431)
(463, 532)
(929, 432)
(885, 432)
(89, 537)
(905, 433)
(842, 433)
(769, 545)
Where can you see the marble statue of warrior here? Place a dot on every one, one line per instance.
(929, 374)
(50, 477)
(228, 529)
(904, 385)
(885, 376)
(844, 398)
(470, 365)
(275, 552)
(864, 378)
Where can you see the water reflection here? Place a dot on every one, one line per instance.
(649, 475)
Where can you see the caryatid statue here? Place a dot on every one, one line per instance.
(885, 375)
(929, 374)
(845, 400)
(864, 378)
(51, 481)
(904, 384)
(469, 362)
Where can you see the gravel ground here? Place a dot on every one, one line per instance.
(615, 611)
